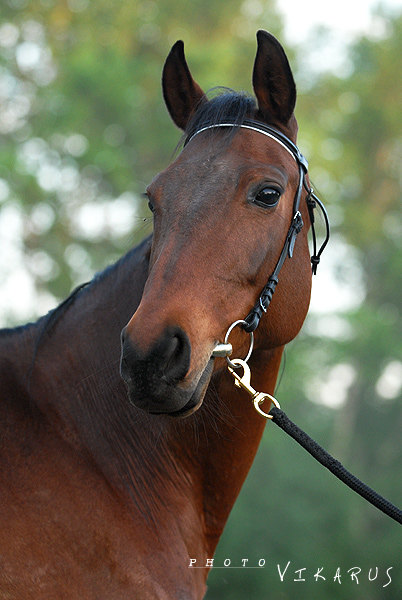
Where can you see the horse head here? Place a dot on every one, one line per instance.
(222, 212)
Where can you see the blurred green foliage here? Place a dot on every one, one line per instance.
(89, 124)
(83, 128)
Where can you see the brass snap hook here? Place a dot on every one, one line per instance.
(244, 383)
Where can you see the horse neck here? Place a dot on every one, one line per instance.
(16, 352)
(153, 461)
(78, 391)
(230, 432)
(71, 375)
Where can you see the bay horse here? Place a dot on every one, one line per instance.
(124, 442)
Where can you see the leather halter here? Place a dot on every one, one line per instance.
(253, 318)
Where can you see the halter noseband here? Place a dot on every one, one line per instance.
(253, 318)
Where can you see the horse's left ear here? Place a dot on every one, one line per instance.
(273, 81)
(181, 93)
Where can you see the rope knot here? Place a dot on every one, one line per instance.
(315, 261)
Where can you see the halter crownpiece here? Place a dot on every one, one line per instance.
(267, 130)
(253, 318)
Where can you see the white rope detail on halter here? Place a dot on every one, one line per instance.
(273, 137)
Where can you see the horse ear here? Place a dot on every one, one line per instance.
(181, 93)
(273, 81)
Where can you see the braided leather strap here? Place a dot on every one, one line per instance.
(264, 300)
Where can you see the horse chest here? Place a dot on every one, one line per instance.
(65, 533)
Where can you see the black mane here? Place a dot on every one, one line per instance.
(226, 107)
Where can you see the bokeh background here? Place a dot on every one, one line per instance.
(83, 129)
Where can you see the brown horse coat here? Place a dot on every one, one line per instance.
(99, 496)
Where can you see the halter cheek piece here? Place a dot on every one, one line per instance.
(253, 318)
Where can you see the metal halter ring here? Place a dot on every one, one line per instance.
(233, 325)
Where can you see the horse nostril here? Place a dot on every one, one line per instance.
(176, 355)
(167, 359)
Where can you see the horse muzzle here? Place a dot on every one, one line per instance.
(157, 379)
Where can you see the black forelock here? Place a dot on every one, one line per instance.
(227, 106)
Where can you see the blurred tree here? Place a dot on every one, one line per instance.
(83, 125)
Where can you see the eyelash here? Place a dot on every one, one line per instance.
(150, 205)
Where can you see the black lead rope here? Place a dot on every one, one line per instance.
(333, 465)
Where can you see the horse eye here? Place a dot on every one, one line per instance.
(267, 197)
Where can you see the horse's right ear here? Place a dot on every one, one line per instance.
(181, 93)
